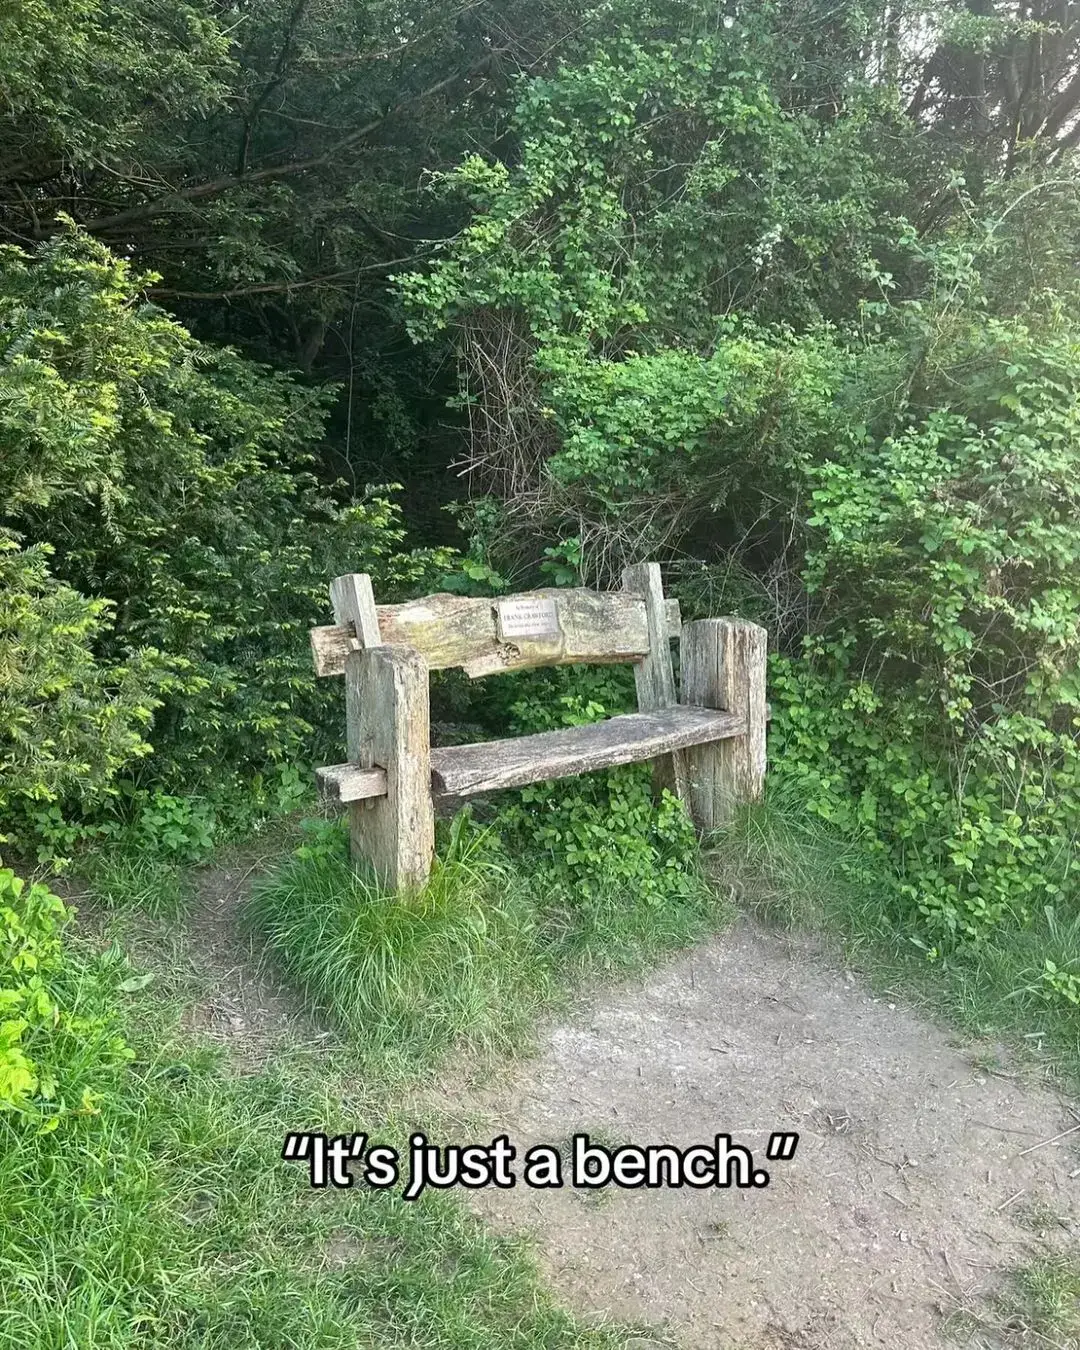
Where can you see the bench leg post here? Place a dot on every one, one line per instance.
(388, 723)
(654, 676)
(723, 666)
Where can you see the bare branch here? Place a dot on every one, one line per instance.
(276, 77)
(280, 287)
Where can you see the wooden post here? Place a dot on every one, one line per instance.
(654, 676)
(354, 602)
(388, 720)
(723, 666)
(387, 723)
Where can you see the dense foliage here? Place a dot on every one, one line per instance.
(833, 376)
(782, 295)
(936, 702)
(587, 838)
(166, 548)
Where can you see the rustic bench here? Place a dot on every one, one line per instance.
(708, 746)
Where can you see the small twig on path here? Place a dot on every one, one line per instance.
(1054, 1140)
(952, 1272)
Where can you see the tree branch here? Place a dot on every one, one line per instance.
(136, 215)
(918, 99)
(278, 287)
(363, 58)
(272, 83)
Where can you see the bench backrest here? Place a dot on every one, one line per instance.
(489, 636)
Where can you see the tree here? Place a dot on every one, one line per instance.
(166, 485)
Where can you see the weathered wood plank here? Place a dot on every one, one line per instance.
(350, 783)
(346, 783)
(455, 630)
(460, 771)
(723, 666)
(353, 601)
(386, 689)
(654, 677)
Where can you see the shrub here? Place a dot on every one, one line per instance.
(68, 721)
(938, 702)
(171, 485)
(59, 1044)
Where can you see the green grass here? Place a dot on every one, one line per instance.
(166, 1218)
(169, 1220)
(1045, 1298)
(615, 931)
(128, 880)
(406, 977)
(469, 960)
(1039, 1306)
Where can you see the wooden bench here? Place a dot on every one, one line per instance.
(707, 746)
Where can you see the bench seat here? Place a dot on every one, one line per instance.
(461, 771)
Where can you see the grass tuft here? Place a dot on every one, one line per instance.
(128, 881)
(470, 959)
(1045, 1298)
(406, 976)
(614, 930)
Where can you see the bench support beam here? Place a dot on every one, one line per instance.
(723, 666)
(654, 677)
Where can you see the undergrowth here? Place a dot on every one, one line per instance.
(1038, 1305)
(129, 880)
(156, 1212)
(1044, 1299)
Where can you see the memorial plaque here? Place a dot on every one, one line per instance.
(533, 618)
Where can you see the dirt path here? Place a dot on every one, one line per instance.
(908, 1199)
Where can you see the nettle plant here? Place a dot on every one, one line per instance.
(938, 705)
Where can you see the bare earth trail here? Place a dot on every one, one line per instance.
(910, 1197)
(900, 1207)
